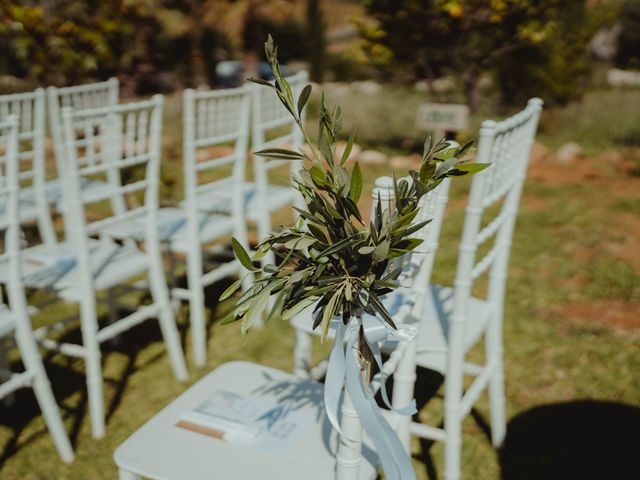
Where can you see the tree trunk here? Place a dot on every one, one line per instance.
(470, 79)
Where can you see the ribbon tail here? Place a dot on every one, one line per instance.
(395, 460)
(334, 378)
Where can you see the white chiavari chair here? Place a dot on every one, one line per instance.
(14, 318)
(453, 320)
(89, 97)
(92, 259)
(36, 196)
(216, 129)
(273, 126)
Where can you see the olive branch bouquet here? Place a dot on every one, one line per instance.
(331, 257)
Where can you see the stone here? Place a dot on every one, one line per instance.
(367, 87)
(421, 86)
(611, 155)
(373, 157)
(623, 78)
(568, 152)
(355, 151)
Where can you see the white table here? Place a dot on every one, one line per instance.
(162, 451)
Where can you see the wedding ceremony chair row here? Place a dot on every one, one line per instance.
(452, 320)
(92, 259)
(39, 194)
(298, 441)
(14, 317)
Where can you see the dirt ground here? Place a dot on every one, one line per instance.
(616, 187)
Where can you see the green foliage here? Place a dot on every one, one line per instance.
(628, 55)
(330, 256)
(538, 47)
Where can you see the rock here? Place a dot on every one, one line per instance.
(568, 152)
(421, 86)
(538, 152)
(405, 162)
(367, 87)
(623, 78)
(339, 89)
(372, 157)
(355, 151)
(612, 155)
(443, 85)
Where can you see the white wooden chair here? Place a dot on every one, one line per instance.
(161, 450)
(273, 126)
(88, 97)
(216, 130)
(35, 195)
(14, 318)
(453, 320)
(92, 259)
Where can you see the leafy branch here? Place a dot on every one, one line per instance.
(331, 257)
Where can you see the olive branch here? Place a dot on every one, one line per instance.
(331, 257)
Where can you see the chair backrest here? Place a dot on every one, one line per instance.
(29, 107)
(89, 96)
(494, 195)
(418, 265)
(9, 189)
(216, 118)
(129, 149)
(273, 126)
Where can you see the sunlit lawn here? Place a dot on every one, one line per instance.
(573, 249)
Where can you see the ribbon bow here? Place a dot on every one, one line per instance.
(344, 370)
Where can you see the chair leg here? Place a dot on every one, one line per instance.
(42, 389)
(404, 381)
(160, 295)
(197, 320)
(94, 388)
(51, 414)
(454, 380)
(93, 365)
(496, 385)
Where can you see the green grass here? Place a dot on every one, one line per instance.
(561, 255)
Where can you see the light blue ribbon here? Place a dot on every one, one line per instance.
(344, 371)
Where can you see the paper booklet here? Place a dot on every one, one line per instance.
(246, 419)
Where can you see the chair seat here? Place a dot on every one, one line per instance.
(172, 227)
(55, 267)
(217, 198)
(432, 342)
(161, 450)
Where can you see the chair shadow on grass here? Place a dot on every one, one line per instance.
(585, 439)
(67, 379)
(582, 439)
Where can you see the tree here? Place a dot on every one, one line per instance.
(470, 38)
(628, 55)
(316, 41)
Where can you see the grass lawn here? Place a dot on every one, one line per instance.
(572, 324)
